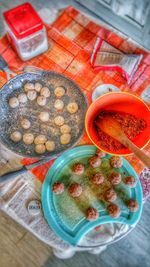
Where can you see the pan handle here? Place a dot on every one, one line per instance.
(32, 69)
(3, 64)
(4, 67)
(11, 175)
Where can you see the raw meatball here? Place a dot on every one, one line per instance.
(100, 153)
(40, 139)
(65, 129)
(130, 181)
(50, 146)
(78, 168)
(40, 149)
(113, 210)
(13, 102)
(132, 205)
(59, 91)
(65, 139)
(32, 94)
(28, 87)
(41, 100)
(98, 228)
(38, 87)
(22, 98)
(110, 195)
(16, 136)
(45, 92)
(116, 162)
(28, 138)
(92, 214)
(95, 161)
(44, 116)
(72, 107)
(97, 178)
(75, 190)
(59, 120)
(58, 188)
(59, 104)
(25, 123)
(114, 178)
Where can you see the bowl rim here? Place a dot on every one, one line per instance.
(91, 106)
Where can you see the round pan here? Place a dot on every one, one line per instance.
(10, 117)
(119, 102)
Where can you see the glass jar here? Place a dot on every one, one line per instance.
(26, 31)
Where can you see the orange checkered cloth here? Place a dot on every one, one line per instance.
(71, 40)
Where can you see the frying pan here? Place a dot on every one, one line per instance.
(9, 117)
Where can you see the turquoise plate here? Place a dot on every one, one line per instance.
(65, 215)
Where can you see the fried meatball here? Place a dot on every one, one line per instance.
(58, 188)
(28, 87)
(59, 91)
(16, 136)
(65, 139)
(75, 190)
(38, 87)
(40, 139)
(78, 168)
(130, 181)
(44, 116)
(13, 102)
(113, 210)
(40, 149)
(22, 98)
(116, 162)
(59, 104)
(114, 178)
(28, 138)
(45, 91)
(95, 161)
(72, 107)
(41, 100)
(59, 120)
(132, 205)
(100, 153)
(50, 145)
(32, 94)
(25, 123)
(91, 214)
(97, 178)
(110, 195)
(65, 129)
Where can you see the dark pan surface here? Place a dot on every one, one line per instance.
(10, 118)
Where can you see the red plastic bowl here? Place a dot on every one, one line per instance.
(123, 102)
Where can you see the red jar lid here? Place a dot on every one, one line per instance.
(23, 20)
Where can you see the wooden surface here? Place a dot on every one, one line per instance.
(19, 248)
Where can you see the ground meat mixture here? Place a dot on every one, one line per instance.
(132, 205)
(97, 178)
(58, 188)
(78, 168)
(130, 181)
(131, 125)
(113, 210)
(114, 178)
(95, 161)
(75, 190)
(110, 195)
(92, 214)
(116, 162)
